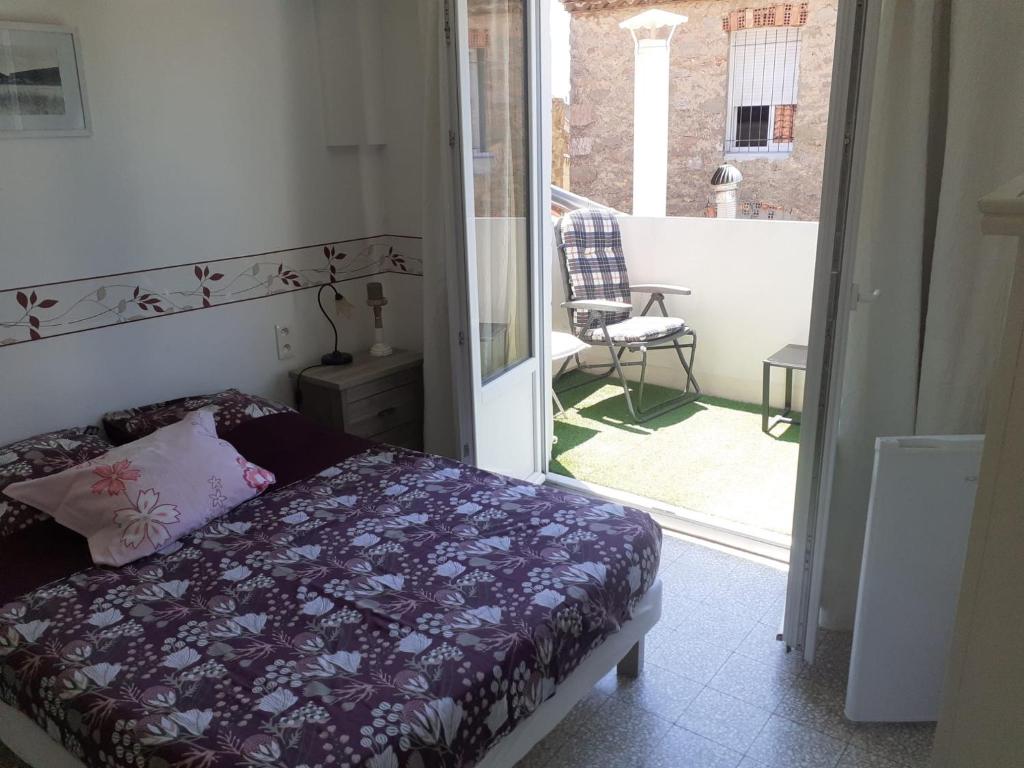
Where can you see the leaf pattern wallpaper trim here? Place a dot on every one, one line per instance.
(55, 309)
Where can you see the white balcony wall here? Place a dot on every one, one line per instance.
(751, 283)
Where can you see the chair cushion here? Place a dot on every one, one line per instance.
(637, 329)
(594, 261)
(565, 345)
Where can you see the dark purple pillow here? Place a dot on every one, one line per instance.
(40, 554)
(39, 456)
(293, 446)
(230, 408)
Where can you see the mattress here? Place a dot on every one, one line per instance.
(395, 609)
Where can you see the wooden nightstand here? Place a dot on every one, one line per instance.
(380, 398)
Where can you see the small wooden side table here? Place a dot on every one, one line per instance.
(792, 357)
(380, 398)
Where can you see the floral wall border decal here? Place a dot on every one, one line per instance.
(38, 312)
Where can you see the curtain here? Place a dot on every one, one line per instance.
(500, 197)
(440, 424)
(945, 127)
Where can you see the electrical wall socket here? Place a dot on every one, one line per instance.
(285, 349)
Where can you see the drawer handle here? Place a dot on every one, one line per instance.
(385, 412)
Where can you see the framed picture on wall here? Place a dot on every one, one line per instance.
(42, 88)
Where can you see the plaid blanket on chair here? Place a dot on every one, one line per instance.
(594, 261)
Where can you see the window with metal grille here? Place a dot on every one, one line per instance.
(763, 67)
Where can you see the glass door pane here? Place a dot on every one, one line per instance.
(501, 180)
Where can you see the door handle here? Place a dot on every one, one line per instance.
(858, 297)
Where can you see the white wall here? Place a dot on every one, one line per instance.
(751, 283)
(207, 142)
(983, 695)
(402, 190)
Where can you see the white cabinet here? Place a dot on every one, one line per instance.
(919, 517)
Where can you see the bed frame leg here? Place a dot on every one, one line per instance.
(632, 664)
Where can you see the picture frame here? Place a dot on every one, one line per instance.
(42, 82)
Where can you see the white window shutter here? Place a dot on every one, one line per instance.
(763, 66)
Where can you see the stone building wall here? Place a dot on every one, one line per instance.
(560, 143)
(601, 109)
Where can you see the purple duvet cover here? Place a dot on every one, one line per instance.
(395, 610)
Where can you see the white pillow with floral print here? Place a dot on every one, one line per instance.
(139, 497)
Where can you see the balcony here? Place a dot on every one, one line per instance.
(751, 283)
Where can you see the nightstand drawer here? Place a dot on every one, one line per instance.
(395, 380)
(382, 411)
(404, 436)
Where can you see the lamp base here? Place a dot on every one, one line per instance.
(336, 358)
(380, 349)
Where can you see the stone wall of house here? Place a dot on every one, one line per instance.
(601, 112)
(560, 143)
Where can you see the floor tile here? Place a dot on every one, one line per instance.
(906, 744)
(831, 661)
(663, 630)
(679, 589)
(692, 574)
(542, 755)
(694, 659)
(619, 734)
(620, 714)
(724, 719)
(658, 691)
(761, 645)
(752, 682)
(858, 758)
(680, 747)
(784, 744)
(672, 547)
(716, 624)
(817, 706)
(751, 588)
(774, 613)
(707, 556)
(597, 753)
(585, 708)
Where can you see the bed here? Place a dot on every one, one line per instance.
(383, 608)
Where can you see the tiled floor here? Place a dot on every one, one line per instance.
(719, 691)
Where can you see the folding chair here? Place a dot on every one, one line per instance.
(601, 311)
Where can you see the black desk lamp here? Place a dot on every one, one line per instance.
(335, 357)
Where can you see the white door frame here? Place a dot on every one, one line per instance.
(540, 125)
(535, 371)
(849, 113)
(458, 280)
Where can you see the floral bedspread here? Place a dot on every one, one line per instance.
(395, 610)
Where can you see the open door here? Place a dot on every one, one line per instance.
(852, 75)
(499, 57)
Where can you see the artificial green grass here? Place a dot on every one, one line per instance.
(710, 456)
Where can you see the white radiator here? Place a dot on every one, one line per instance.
(922, 495)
